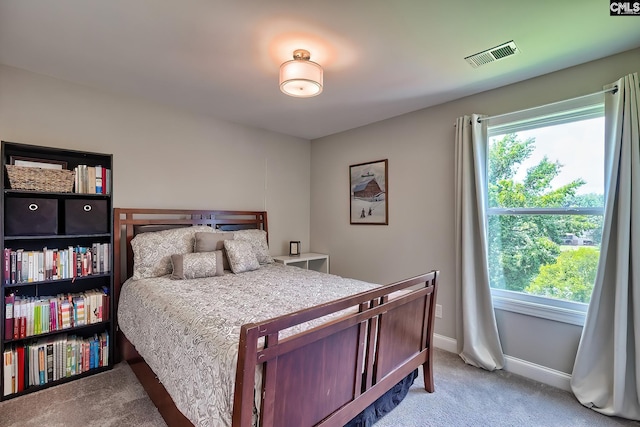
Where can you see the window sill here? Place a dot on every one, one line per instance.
(545, 308)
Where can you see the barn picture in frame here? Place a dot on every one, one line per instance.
(369, 193)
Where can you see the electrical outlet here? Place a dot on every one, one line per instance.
(439, 311)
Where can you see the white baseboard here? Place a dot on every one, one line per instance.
(538, 373)
(517, 366)
(445, 343)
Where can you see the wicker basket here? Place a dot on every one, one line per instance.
(38, 179)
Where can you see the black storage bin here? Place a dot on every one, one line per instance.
(84, 216)
(30, 217)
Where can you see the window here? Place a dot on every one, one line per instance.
(545, 190)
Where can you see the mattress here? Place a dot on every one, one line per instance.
(188, 330)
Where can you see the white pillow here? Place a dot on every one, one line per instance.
(241, 256)
(258, 241)
(152, 251)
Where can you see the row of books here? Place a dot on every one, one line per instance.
(28, 316)
(22, 266)
(92, 179)
(48, 360)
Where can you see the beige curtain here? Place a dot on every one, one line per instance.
(477, 334)
(605, 376)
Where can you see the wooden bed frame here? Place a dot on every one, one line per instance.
(324, 376)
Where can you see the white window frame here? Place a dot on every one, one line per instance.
(562, 112)
(570, 312)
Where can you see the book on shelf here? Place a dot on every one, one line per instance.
(13, 259)
(7, 371)
(21, 367)
(9, 301)
(92, 179)
(104, 348)
(51, 359)
(71, 356)
(66, 315)
(31, 316)
(32, 267)
(42, 367)
(106, 180)
(57, 263)
(78, 312)
(31, 376)
(7, 266)
(16, 321)
(86, 357)
(98, 173)
(19, 253)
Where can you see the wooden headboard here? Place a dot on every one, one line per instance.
(127, 222)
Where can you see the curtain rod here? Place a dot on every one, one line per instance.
(612, 90)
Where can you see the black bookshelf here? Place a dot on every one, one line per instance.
(63, 275)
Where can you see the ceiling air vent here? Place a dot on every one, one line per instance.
(493, 54)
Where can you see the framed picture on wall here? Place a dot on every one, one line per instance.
(369, 193)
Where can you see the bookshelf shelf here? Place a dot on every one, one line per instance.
(46, 282)
(70, 331)
(65, 240)
(30, 193)
(60, 381)
(56, 237)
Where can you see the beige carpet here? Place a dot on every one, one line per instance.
(465, 396)
(468, 396)
(113, 398)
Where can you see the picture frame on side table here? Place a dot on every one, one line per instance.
(294, 248)
(368, 193)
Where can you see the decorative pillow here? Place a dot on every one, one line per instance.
(152, 251)
(194, 265)
(241, 256)
(209, 242)
(220, 256)
(258, 241)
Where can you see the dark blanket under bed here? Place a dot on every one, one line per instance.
(384, 404)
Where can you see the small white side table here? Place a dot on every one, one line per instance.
(309, 260)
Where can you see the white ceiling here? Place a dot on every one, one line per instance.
(382, 58)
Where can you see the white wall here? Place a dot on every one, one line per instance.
(163, 157)
(420, 234)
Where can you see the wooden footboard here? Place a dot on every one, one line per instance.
(327, 375)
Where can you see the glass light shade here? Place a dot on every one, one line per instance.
(301, 78)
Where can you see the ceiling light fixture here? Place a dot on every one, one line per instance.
(301, 77)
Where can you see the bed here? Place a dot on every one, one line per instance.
(299, 348)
